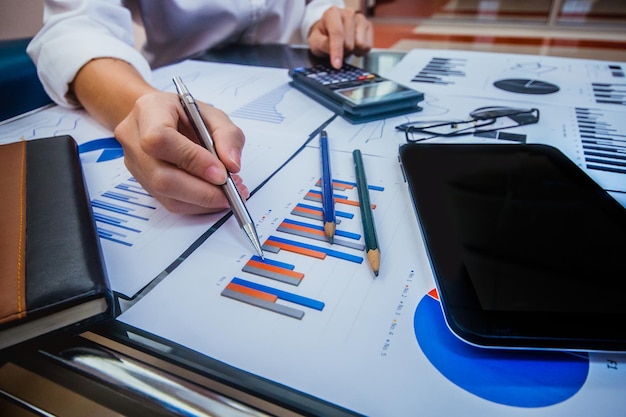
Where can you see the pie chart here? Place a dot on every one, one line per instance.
(519, 378)
(109, 149)
(526, 86)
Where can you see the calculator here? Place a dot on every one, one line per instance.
(354, 93)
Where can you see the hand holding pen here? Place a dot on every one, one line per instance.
(230, 189)
(158, 151)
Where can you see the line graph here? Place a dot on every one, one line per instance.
(264, 108)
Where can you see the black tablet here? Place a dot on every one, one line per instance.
(526, 249)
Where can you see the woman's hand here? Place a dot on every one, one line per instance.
(162, 152)
(341, 32)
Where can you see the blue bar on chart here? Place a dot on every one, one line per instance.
(113, 221)
(266, 297)
(113, 236)
(134, 200)
(123, 212)
(133, 188)
(115, 208)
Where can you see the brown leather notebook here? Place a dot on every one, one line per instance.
(52, 273)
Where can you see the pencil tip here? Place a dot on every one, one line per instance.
(329, 229)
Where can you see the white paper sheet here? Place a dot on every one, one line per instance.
(378, 346)
(557, 127)
(581, 102)
(523, 78)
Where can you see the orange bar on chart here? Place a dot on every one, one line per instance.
(276, 269)
(346, 202)
(252, 292)
(296, 249)
(307, 210)
(303, 228)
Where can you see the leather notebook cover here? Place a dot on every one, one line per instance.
(52, 273)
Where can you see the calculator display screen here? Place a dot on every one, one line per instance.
(371, 93)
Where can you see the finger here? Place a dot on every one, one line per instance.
(181, 192)
(163, 142)
(348, 16)
(228, 139)
(178, 190)
(171, 186)
(364, 35)
(169, 145)
(334, 28)
(196, 187)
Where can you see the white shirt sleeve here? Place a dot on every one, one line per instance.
(75, 32)
(78, 31)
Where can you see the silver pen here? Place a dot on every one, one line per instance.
(230, 189)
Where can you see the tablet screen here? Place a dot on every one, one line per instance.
(527, 250)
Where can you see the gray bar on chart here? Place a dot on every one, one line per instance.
(276, 308)
(271, 275)
(270, 248)
(336, 185)
(307, 215)
(348, 244)
(313, 197)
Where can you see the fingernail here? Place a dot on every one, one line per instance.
(216, 175)
(235, 156)
(337, 63)
(245, 193)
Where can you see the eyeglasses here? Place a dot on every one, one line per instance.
(479, 119)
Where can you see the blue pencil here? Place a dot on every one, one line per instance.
(328, 201)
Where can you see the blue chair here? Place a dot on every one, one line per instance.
(20, 88)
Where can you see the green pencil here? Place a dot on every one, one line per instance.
(367, 217)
